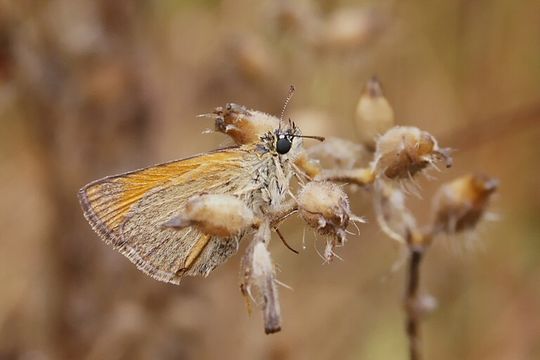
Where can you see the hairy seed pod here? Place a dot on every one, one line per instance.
(374, 115)
(244, 126)
(403, 151)
(460, 204)
(215, 215)
(324, 206)
(258, 279)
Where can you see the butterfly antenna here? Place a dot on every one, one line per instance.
(289, 96)
(320, 138)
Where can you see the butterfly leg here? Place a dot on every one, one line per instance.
(195, 252)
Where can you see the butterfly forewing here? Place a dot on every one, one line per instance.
(128, 211)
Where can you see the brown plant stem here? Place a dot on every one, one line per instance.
(412, 322)
(360, 176)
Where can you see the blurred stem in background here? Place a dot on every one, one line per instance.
(412, 326)
(81, 114)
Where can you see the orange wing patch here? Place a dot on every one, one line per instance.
(128, 210)
(108, 201)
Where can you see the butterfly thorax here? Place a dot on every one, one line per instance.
(273, 174)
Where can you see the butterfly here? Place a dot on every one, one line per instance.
(128, 211)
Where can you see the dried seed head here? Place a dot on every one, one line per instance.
(403, 151)
(214, 214)
(258, 283)
(460, 204)
(374, 115)
(337, 153)
(325, 207)
(244, 126)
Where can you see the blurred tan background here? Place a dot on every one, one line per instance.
(93, 88)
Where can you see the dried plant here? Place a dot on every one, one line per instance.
(219, 209)
(91, 87)
(401, 153)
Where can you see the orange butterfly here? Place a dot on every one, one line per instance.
(129, 210)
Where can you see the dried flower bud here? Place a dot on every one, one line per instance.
(325, 207)
(403, 151)
(337, 153)
(259, 280)
(214, 214)
(244, 126)
(374, 115)
(460, 204)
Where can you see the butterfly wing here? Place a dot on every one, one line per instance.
(127, 211)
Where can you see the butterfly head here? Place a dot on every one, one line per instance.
(283, 143)
(286, 142)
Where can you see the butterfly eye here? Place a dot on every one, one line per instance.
(283, 145)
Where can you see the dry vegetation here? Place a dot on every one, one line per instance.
(90, 88)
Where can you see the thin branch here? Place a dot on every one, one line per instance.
(360, 176)
(412, 322)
